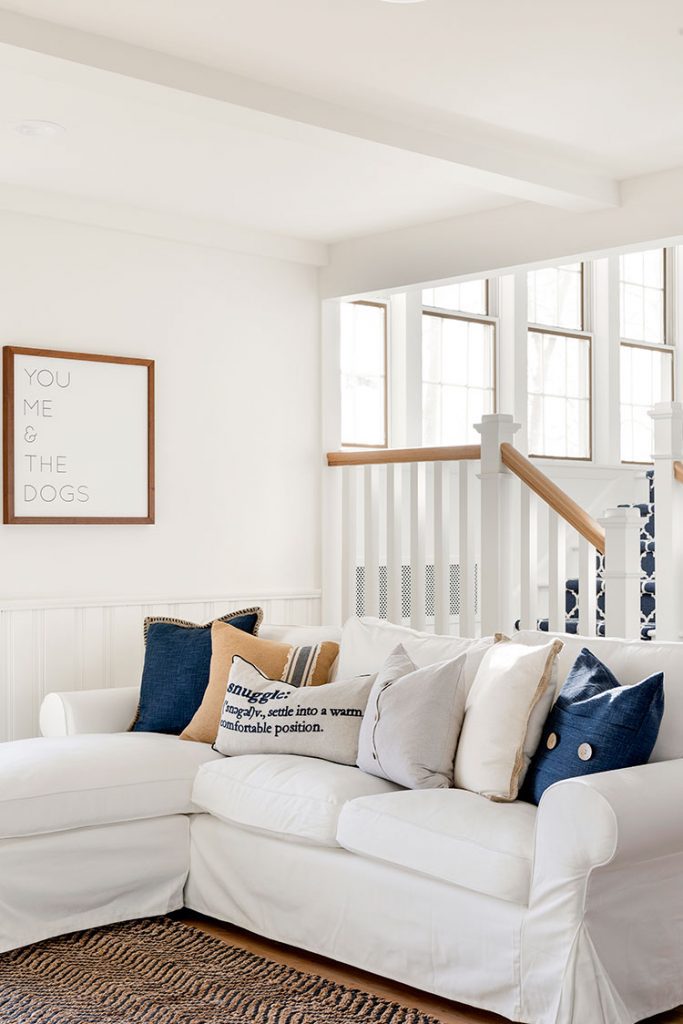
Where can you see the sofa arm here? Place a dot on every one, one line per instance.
(601, 939)
(84, 711)
(619, 817)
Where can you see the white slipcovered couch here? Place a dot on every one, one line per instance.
(571, 913)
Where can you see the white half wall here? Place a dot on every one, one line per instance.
(91, 645)
(236, 339)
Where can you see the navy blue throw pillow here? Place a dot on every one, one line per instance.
(176, 669)
(596, 725)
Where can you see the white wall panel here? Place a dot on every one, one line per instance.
(82, 646)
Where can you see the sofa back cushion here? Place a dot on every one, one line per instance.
(630, 661)
(368, 642)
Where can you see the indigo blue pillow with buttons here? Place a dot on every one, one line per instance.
(596, 725)
(176, 670)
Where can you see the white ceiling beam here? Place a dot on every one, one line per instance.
(157, 224)
(485, 157)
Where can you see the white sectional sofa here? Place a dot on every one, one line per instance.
(571, 913)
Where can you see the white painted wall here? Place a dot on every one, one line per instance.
(236, 344)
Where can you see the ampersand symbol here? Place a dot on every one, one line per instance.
(30, 435)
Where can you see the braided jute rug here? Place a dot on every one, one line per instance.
(161, 971)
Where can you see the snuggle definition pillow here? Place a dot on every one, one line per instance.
(597, 725)
(504, 715)
(299, 666)
(176, 669)
(266, 716)
(412, 722)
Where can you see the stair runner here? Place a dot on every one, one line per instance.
(647, 583)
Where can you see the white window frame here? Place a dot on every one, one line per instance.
(378, 304)
(490, 319)
(669, 330)
(586, 333)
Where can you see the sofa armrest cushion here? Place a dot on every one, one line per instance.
(619, 817)
(88, 711)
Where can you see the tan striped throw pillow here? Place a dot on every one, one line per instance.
(299, 666)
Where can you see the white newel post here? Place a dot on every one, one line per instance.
(668, 421)
(622, 573)
(497, 535)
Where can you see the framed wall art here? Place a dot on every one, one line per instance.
(78, 440)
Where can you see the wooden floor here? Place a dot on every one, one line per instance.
(442, 1009)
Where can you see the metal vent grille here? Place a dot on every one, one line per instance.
(430, 591)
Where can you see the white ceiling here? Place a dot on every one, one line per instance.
(594, 86)
(200, 163)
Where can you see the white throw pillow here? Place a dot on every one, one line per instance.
(367, 643)
(505, 712)
(412, 722)
(265, 716)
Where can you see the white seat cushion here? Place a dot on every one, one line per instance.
(449, 834)
(51, 785)
(286, 794)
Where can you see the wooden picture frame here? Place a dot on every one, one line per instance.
(58, 479)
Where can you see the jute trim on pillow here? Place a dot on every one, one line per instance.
(544, 682)
(186, 624)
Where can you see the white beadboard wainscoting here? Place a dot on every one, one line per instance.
(92, 644)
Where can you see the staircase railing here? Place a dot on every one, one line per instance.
(563, 511)
(451, 538)
(409, 537)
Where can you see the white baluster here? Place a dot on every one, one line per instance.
(371, 539)
(466, 549)
(622, 573)
(528, 559)
(557, 572)
(442, 548)
(349, 546)
(587, 588)
(668, 419)
(417, 546)
(394, 544)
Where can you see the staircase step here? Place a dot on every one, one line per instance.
(572, 626)
(647, 586)
(647, 512)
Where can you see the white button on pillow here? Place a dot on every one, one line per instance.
(506, 708)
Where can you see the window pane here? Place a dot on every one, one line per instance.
(459, 389)
(464, 297)
(559, 395)
(642, 296)
(646, 378)
(363, 376)
(555, 296)
(431, 414)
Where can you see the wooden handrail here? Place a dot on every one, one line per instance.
(678, 471)
(390, 456)
(553, 496)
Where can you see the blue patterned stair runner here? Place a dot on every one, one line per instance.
(647, 585)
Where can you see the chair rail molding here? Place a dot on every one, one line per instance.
(93, 643)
